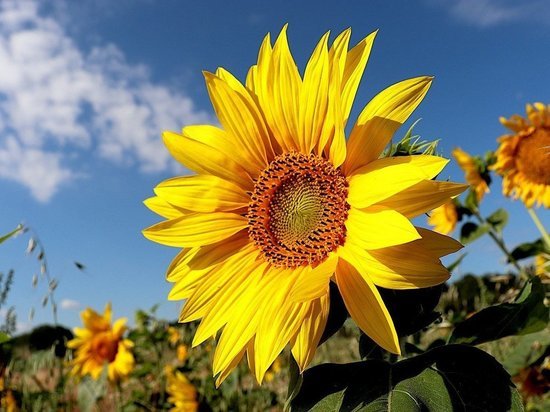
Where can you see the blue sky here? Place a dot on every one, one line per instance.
(86, 88)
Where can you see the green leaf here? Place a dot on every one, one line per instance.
(471, 200)
(91, 391)
(4, 337)
(412, 309)
(294, 382)
(471, 231)
(446, 378)
(528, 249)
(498, 219)
(521, 351)
(18, 229)
(337, 314)
(527, 314)
(456, 263)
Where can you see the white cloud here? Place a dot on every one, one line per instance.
(56, 100)
(69, 304)
(488, 13)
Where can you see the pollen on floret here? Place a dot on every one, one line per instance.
(298, 210)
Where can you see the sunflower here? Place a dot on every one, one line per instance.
(98, 344)
(472, 172)
(282, 204)
(444, 218)
(523, 158)
(173, 335)
(181, 393)
(181, 352)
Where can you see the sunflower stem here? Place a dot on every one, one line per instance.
(497, 238)
(540, 227)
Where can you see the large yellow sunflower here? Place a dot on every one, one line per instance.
(281, 205)
(523, 158)
(98, 344)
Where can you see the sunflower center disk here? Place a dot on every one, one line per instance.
(534, 156)
(298, 210)
(104, 348)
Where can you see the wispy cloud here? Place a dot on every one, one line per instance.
(58, 102)
(488, 13)
(69, 304)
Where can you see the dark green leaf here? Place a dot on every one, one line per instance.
(294, 382)
(368, 349)
(337, 313)
(498, 219)
(413, 309)
(446, 378)
(471, 231)
(12, 233)
(526, 315)
(529, 249)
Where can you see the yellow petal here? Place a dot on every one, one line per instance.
(356, 61)
(119, 327)
(379, 120)
(251, 78)
(231, 272)
(203, 193)
(396, 267)
(261, 76)
(190, 265)
(231, 80)
(204, 149)
(162, 208)
(197, 229)
(311, 331)
(383, 178)
(313, 283)
(177, 268)
(376, 228)
(332, 133)
(239, 331)
(339, 50)
(241, 118)
(366, 307)
(423, 197)
(225, 301)
(282, 94)
(314, 97)
(224, 373)
(436, 243)
(279, 322)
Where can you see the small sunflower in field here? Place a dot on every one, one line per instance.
(282, 205)
(8, 402)
(173, 335)
(444, 218)
(472, 172)
(98, 344)
(181, 393)
(181, 352)
(523, 158)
